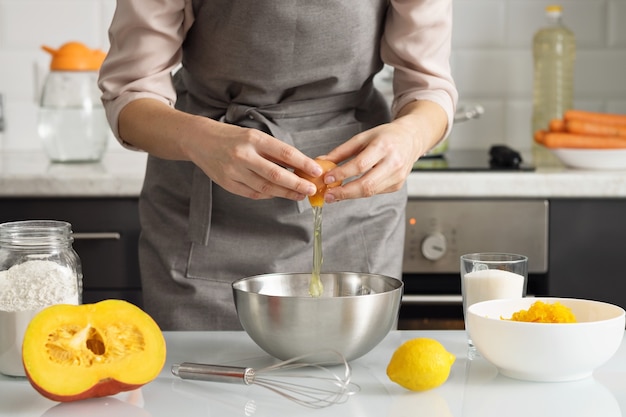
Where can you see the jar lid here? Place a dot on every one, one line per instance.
(75, 56)
(554, 9)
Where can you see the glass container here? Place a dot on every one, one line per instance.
(72, 121)
(38, 268)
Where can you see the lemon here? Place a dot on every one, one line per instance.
(420, 364)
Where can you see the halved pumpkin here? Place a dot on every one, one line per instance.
(92, 350)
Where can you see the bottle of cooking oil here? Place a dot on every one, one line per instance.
(554, 53)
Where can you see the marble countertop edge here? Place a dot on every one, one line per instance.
(121, 172)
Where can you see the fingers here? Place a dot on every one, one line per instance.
(262, 190)
(276, 181)
(268, 180)
(259, 166)
(360, 188)
(256, 165)
(380, 165)
(376, 181)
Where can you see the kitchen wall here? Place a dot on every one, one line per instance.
(25, 25)
(491, 60)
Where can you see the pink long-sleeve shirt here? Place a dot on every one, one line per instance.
(146, 39)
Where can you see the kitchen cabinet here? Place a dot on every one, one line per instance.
(587, 250)
(586, 244)
(106, 233)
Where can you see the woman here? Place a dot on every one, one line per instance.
(261, 87)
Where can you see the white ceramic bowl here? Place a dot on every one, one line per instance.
(546, 351)
(593, 159)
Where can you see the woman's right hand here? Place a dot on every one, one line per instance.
(243, 161)
(251, 163)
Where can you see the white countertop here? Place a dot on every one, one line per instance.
(121, 172)
(542, 183)
(31, 174)
(474, 388)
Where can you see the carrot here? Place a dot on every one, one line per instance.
(596, 129)
(596, 117)
(573, 140)
(557, 125)
(540, 136)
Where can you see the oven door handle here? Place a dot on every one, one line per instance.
(432, 299)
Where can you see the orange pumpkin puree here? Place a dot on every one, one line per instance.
(540, 312)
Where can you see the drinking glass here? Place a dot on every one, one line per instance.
(489, 276)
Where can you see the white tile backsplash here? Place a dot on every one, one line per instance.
(492, 63)
(479, 23)
(492, 59)
(616, 26)
(31, 23)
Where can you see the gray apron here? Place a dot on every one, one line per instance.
(301, 71)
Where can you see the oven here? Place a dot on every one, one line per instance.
(439, 231)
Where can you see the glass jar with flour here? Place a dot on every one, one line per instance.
(38, 268)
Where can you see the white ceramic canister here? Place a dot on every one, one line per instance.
(38, 268)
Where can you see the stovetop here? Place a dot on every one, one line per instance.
(504, 159)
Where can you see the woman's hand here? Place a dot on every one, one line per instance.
(250, 163)
(382, 158)
(244, 161)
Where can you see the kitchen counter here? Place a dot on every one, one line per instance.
(121, 172)
(474, 388)
(32, 174)
(542, 183)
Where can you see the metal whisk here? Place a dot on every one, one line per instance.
(309, 388)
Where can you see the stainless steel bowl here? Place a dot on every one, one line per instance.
(354, 314)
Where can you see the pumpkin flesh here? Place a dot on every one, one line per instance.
(92, 350)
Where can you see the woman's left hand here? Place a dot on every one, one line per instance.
(380, 159)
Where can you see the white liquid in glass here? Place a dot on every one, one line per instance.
(491, 284)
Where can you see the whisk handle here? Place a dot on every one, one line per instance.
(214, 373)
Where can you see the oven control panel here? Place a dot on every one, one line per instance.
(438, 232)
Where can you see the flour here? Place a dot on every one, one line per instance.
(13, 325)
(37, 283)
(25, 289)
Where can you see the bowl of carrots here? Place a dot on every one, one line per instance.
(587, 140)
